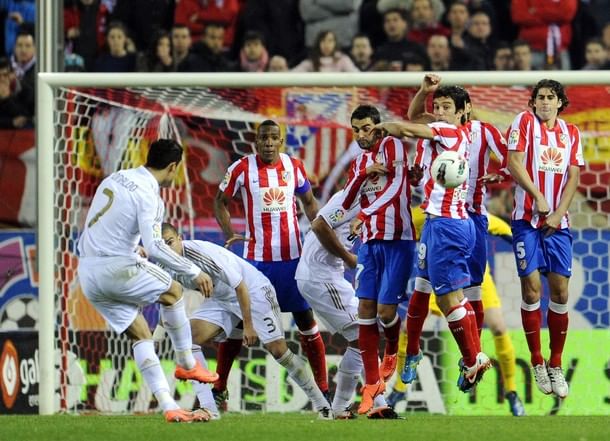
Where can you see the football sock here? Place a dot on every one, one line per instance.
(459, 325)
(557, 320)
(368, 342)
(313, 346)
(228, 350)
(399, 386)
(176, 323)
(474, 330)
(297, 370)
(203, 390)
(391, 331)
(531, 317)
(347, 377)
(148, 363)
(505, 351)
(417, 313)
(473, 294)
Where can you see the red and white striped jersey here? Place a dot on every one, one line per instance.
(438, 200)
(484, 139)
(268, 194)
(548, 155)
(384, 200)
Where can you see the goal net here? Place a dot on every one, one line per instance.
(97, 130)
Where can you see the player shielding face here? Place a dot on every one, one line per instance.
(127, 208)
(270, 182)
(448, 234)
(544, 158)
(242, 294)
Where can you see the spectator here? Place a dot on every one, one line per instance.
(277, 17)
(199, 14)
(596, 55)
(606, 35)
(253, 56)
(425, 22)
(158, 57)
(184, 59)
(145, 19)
(370, 22)
(397, 47)
(210, 50)
(13, 114)
(546, 26)
(326, 57)
(85, 28)
(278, 64)
(116, 58)
(23, 63)
(457, 17)
(415, 64)
(443, 57)
(503, 56)
(339, 15)
(522, 55)
(19, 15)
(362, 52)
(478, 39)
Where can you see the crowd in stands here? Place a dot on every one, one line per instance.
(303, 36)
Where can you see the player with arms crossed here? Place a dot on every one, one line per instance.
(544, 158)
(448, 235)
(320, 278)
(117, 280)
(241, 294)
(378, 176)
(268, 182)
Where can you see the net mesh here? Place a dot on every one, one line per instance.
(100, 130)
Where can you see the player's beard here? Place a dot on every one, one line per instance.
(367, 144)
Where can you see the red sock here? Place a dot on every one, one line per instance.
(416, 316)
(228, 350)
(479, 314)
(314, 348)
(461, 328)
(391, 336)
(368, 341)
(558, 331)
(474, 329)
(531, 326)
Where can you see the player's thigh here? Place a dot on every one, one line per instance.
(557, 249)
(527, 248)
(449, 246)
(397, 266)
(220, 314)
(266, 315)
(478, 258)
(489, 291)
(367, 271)
(204, 331)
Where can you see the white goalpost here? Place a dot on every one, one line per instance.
(191, 98)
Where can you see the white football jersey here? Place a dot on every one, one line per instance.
(316, 262)
(126, 208)
(226, 269)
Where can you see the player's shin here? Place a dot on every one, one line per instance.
(473, 294)
(203, 390)
(228, 350)
(297, 370)
(557, 320)
(417, 313)
(368, 341)
(313, 346)
(459, 325)
(347, 377)
(505, 352)
(474, 328)
(148, 363)
(531, 317)
(175, 322)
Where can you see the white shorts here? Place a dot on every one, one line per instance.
(335, 303)
(118, 286)
(227, 315)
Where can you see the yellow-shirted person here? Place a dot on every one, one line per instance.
(505, 351)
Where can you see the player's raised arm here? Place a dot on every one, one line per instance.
(417, 107)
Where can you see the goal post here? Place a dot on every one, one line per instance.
(49, 125)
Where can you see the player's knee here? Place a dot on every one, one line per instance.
(531, 289)
(277, 348)
(173, 294)
(386, 313)
(304, 320)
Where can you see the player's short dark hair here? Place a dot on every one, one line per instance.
(556, 87)
(162, 153)
(458, 94)
(267, 123)
(366, 111)
(166, 226)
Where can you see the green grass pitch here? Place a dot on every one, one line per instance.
(297, 427)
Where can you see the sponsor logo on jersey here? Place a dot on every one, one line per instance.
(374, 184)
(286, 175)
(274, 200)
(336, 216)
(551, 160)
(225, 180)
(9, 374)
(513, 138)
(563, 139)
(522, 264)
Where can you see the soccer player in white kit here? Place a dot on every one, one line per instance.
(241, 294)
(321, 281)
(117, 280)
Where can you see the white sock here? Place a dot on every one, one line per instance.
(177, 325)
(348, 375)
(203, 390)
(297, 370)
(147, 361)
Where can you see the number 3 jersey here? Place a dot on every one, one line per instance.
(125, 208)
(268, 194)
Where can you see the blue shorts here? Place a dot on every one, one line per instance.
(281, 275)
(533, 251)
(383, 271)
(444, 250)
(478, 258)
